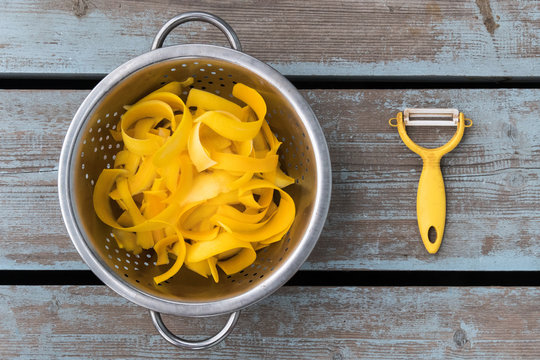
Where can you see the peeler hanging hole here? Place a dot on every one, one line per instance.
(468, 122)
(432, 235)
(392, 123)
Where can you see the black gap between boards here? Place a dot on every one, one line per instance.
(302, 82)
(312, 278)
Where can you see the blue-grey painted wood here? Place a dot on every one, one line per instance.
(464, 39)
(492, 181)
(294, 323)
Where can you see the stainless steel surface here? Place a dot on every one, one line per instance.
(197, 16)
(194, 345)
(88, 149)
(431, 117)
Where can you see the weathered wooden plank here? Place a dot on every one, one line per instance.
(468, 38)
(492, 181)
(295, 322)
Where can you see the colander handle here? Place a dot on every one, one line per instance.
(197, 16)
(193, 345)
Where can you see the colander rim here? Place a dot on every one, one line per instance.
(275, 279)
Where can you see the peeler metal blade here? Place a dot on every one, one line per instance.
(430, 117)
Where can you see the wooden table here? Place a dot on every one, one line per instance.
(369, 289)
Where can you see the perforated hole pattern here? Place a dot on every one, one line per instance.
(98, 151)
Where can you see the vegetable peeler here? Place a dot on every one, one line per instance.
(431, 196)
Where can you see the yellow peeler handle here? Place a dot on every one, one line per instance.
(431, 196)
(431, 203)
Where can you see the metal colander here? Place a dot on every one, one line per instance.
(89, 148)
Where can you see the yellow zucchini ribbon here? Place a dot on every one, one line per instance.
(196, 181)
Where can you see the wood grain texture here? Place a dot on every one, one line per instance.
(295, 322)
(465, 39)
(492, 181)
